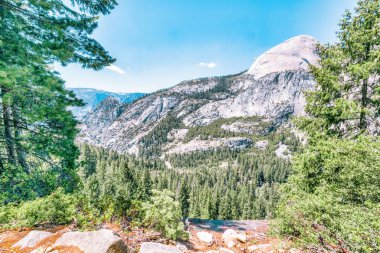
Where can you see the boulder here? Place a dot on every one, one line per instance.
(242, 237)
(2, 237)
(39, 250)
(101, 241)
(293, 250)
(232, 235)
(32, 239)
(181, 247)
(230, 244)
(259, 248)
(206, 237)
(224, 250)
(153, 247)
(261, 144)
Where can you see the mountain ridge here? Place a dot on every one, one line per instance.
(267, 100)
(93, 97)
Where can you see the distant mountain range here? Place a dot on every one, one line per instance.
(93, 97)
(236, 111)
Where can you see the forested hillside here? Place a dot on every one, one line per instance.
(218, 184)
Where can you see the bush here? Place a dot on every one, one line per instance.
(17, 185)
(333, 198)
(57, 208)
(163, 213)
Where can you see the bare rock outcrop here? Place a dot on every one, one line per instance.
(32, 239)
(101, 241)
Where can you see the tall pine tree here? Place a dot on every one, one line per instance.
(332, 199)
(37, 130)
(347, 101)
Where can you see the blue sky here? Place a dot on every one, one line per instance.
(159, 43)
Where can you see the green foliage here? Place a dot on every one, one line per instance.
(119, 188)
(226, 184)
(334, 195)
(222, 85)
(184, 199)
(152, 142)
(111, 181)
(17, 185)
(347, 98)
(37, 131)
(53, 31)
(163, 214)
(333, 198)
(56, 208)
(215, 130)
(197, 159)
(215, 184)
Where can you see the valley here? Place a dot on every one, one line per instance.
(221, 144)
(229, 107)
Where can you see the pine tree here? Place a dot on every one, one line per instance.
(184, 196)
(330, 200)
(347, 100)
(37, 130)
(144, 187)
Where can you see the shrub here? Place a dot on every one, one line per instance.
(163, 213)
(57, 208)
(332, 200)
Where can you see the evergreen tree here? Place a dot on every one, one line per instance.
(37, 130)
(347, 99)
(184, 196)
(332, 199)
(144, 187)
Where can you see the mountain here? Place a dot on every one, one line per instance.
(233, 111)
(92, 98)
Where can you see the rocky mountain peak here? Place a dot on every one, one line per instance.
(210, 113)
(296, 53)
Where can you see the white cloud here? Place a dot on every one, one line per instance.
(208, 65)
(115, 69)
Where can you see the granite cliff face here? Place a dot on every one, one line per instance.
(259, 100)
(93, 97)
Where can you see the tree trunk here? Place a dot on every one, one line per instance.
(2, 169)
(17, 134)
(7, 129)
(364, 95)
(363, 106)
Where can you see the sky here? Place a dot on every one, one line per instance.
(159, 43)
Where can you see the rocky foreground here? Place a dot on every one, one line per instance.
(206, 236)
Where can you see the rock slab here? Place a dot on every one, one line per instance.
(153, 247)
(32, 239)
(293, 54)
(231, 235)
(101, 241)
(259, 248)
(224, 250)
(206, 238)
